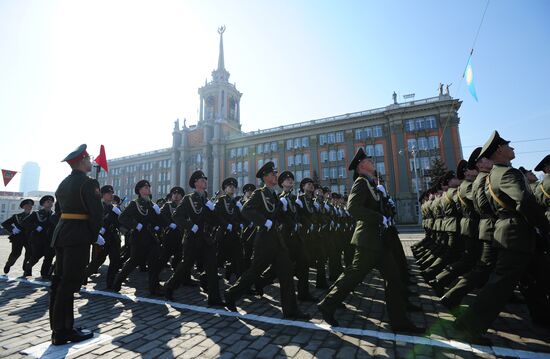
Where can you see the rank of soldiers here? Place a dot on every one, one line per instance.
(486, 226)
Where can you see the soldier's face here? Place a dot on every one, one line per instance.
(366, 166)
(270, 179)
(108, 197)
(47, 204)
(201, 184)
(145, 191)
(308, 187)
(176, 197)
(27, 208)
(507, 151)
(248, 193)
(288, 183)
(230, 190)
(87, 163)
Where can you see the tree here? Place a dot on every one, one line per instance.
(437, 169)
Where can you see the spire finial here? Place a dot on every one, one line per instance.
(221, 65)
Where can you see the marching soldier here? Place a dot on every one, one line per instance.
(143, 219)
(531, 178)
(518, 214)
(371, 252)
(172, 246)
(196, 216)
(40, 228)
(78, 227)
(18, 237)
(111, 235)
(249, 231)
(542, 191)
(263, 209)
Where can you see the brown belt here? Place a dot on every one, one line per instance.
(79, 216)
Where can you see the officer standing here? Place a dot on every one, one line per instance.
(371, 252)
(18, 237)
(518, 213)
(263, 209)
(78, 227)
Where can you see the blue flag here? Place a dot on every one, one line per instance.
(469, 75)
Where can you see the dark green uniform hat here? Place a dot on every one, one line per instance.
(228, 182)
(492, 145)
(198, 174)
(461, 168)
(359, 156)
(46, 198)
(176, 189)
(304, 181)
(266, 169)
(283, 176)
(248, 187)
(444, 180)
(25, 202)
(140, 185)
(545, 162)
(474, 157)
(76, 155)
(107, 189)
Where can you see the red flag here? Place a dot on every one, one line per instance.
(7, 175)
(101, 160)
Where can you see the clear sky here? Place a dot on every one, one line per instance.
(119, 73)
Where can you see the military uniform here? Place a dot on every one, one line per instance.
(172, 244)
(78, 227)
(40, 228)
(18, 237)
(371, 252)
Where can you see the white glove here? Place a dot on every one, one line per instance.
(382, 189)
(156, 208)
(385, 222)
(210, 205)
(299, 202)
(316, 205)
(139, 227)
(173, 225)
(116, 210)
(239, 204)
(242, 226)
(268, 224)
(296, 227)
(251, 225)
(327, 207)
(100, 240)
(156, 228)
(229, 227)
(285, 203)
(15, 231)
(311, 227)
(39, 229)
(102, 231)
(195, 228)
(390, 201)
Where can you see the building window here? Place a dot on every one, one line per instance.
(380, 168)
(340, 136)
(297, 143)
(298, 159)
(239, 166)
(424, 163)
(331, 137)
(433, 142)
(430, 122)
(325, 172)
(274, 160)
(419, 123)
(305, 141)
(379, 150)
(342, 188)
(409, 125)
(274, 146)
(332, 155)
(289, 144)
(334, 172)
(233, 167)
(266, 147)
(259, 148)
(359, 134)
(305, 159)
(298, 176)
(422, 143)
(324, 156)
(377, 131)
(239, 152)
(260, 163)
(232, 153)
(341, 154)
(306, 174)
(245, 166)
(411, 144)
(322, 139)
(369, 150)
(290, 161)
(342, 172)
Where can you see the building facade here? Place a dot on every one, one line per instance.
(394, 135)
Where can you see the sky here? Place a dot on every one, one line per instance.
(119, 73)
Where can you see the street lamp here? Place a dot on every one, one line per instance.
(419, 215)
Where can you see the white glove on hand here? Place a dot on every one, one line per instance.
(139, 227)
(100, 240)
(382, 189)
(210, 205)
(316, 205)
(117, 210)
(102, 231)
(251, 225)
(268, 224)
(299, 202)
(242, 226)
(195, 228)
(327, 207)
(156, 228)
(173, 225)
(156, 208)
(39, 229)
(296, 227)
(15, 231)
(311, 227)
(385, 222)
(285, 203)
(229, 227)
(239, 204)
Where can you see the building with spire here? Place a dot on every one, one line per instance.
(396, 136)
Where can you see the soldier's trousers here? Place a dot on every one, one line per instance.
(509, 268)
(476, 278)
(196, 248)
(230, 250)
(334, 251)
(268, 251)
(40, 247)
(392, 237)
(111, 250)
(17, 245)
(70, 271)
(454, 250)
(142, 250)
(172, 247)
(316, 247)
(458, 268)
(364, 261)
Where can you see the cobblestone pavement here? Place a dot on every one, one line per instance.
(136, 325)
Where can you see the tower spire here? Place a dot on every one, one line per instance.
(221, 65)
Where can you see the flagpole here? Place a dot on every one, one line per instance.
(97, 170)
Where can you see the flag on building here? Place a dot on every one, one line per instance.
(101, 160)
(7, 175)
(469, 75)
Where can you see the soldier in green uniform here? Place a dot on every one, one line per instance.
(371, 250)
(515, 237)
(18, 236)
(249, 231)
(263, 209)
(542, 191)
(172, 246)
(78, 227)
(531, 178)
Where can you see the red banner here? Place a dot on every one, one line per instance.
(7, 175)
(101, 160)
